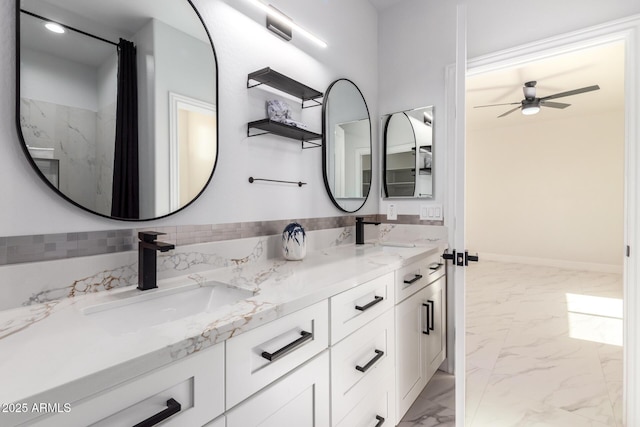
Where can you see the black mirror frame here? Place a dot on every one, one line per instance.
(324, 145)
(56, 190)
(384, 158)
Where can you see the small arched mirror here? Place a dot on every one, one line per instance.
(117, 102)
(346, 148)
(408, 154)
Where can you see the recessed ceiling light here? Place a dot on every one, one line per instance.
(55, 28)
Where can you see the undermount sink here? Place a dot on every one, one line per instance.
(134, 310)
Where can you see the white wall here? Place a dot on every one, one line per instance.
(550, 190)
(417, 42)
(242, 45)
(493, 25)
(58, 81)
(181, 67)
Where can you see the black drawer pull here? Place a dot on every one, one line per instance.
(365, 368)
(306, 336)
(432, 324)
(415, 279)
(435, 267)
(428, 307)
(380, 421)
(173, 407)
(376, 300)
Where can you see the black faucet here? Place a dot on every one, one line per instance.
(360, 222)
(147, 248)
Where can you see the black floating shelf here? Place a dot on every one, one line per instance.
(285, 84)
(287, 131)
(423, 171)
(426, 147)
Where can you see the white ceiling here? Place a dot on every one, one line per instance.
(601, 65)
(108, 19)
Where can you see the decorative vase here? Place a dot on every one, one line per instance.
(294, 242)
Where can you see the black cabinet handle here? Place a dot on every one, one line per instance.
(306, 336)
(415, 279)
(376, 300)
(428, 307)
(173, 407)
(380, 421)
(435, 267)
(432, 311)
(365, 368)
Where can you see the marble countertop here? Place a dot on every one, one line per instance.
(53, 345)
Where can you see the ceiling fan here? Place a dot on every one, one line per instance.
(531, 105)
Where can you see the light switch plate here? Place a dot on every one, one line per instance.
(431, 213)
(392, 213)
(424, 212)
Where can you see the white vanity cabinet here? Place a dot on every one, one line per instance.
(363, 354)
(300, 399)
(420, 321)
(194, 383)
(262, 355)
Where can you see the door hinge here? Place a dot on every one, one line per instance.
(628, 251)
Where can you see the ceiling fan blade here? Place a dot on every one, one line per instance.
(554, 104)
(509, 112)
(571, 92)
(496, 105)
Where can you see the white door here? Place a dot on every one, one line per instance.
(454, 219)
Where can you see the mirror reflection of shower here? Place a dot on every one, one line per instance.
(72, 94)
(408, 159)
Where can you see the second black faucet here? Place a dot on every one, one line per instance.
(360, 222)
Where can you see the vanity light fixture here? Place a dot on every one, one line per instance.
(54, 27)
(278, 16)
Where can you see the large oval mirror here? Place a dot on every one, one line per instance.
(408, 154)
(117, 102)
(346, 133)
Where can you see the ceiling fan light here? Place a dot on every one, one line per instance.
(54, 27)
(530, 110)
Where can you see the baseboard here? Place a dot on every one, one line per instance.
(569, 265)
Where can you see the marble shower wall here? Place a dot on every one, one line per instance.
(106, 135)
(79, 138)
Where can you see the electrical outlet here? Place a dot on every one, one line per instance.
(392, 213)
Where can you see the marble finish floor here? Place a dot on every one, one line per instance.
(544, 347)
(435, 406)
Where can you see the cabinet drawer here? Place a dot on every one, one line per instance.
(218, 422)
(288, 341)
(376, 409)
(300, 399)
(354, 308)
(413, 277)
(359, 364)
(196, 383)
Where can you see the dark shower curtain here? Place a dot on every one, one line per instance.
(125, 198)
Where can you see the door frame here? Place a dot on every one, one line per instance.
(626, 30)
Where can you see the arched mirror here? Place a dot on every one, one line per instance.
(346, 148)
(117, 102)
(408, 154)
